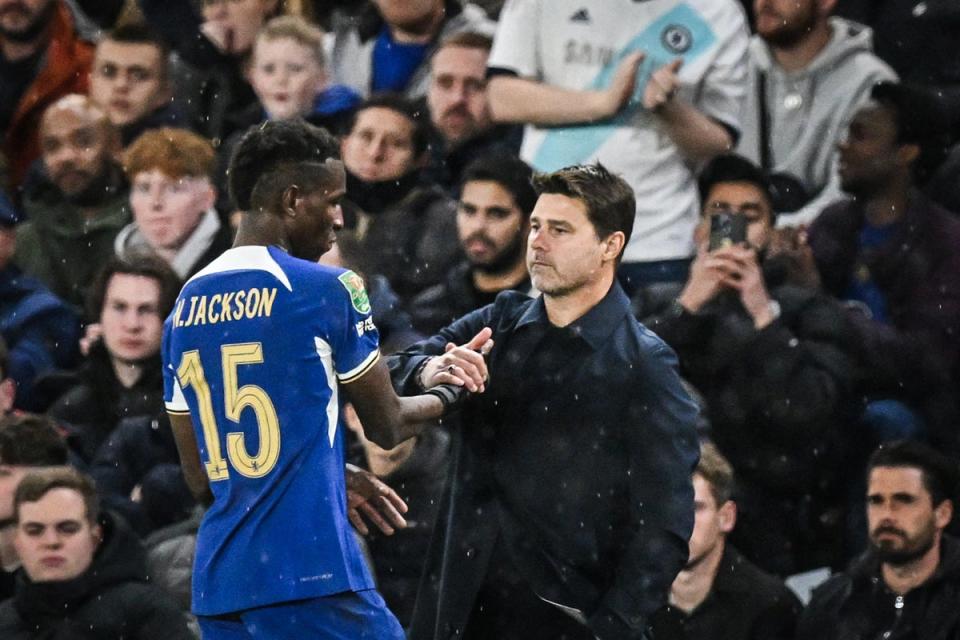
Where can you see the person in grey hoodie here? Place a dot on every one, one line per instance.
(811, 71)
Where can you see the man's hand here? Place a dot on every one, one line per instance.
(743, 275)
(705, 281)
(662, 86)
(370, 496)
(618, 94)
(789, 244)
(463, 366)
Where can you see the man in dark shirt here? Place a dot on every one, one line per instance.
(720, 594)
(568, 514)
(492, 225)
(907, 585)
(41, 59)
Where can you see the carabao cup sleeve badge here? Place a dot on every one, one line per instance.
(358, 293)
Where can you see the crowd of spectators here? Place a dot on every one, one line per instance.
(822, 343)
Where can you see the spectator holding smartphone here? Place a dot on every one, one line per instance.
(773, 361)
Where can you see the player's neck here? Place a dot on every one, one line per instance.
(566, 307)
(261, 230)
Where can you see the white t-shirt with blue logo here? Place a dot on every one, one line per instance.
(576, 44)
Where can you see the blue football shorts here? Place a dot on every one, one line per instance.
(343, 616)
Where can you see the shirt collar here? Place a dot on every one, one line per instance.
(595, 325)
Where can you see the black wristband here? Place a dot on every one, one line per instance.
(450, 395)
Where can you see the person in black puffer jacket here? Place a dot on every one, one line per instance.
(98, 589)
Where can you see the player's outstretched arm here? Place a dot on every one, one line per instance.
(193, 471)
(387, 418)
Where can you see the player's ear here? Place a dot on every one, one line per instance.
(290, 201)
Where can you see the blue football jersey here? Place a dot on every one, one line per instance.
(253, 351)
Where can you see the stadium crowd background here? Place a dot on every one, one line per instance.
(118, 121)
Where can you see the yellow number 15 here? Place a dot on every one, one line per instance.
(235, 400)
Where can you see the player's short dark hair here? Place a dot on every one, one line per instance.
(265, 147)
(37, 484)
(135, 263)
(29, 440)
(938, 472)
(308, 176)
(717, 471)
(920, 120)
(507, 170)
(415, 112)
(730, 167)
(134, 32)
(610, 202)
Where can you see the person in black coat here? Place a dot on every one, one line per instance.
(721, 595)
(777, 367)
(569, 505)
(84, 574)
(907, 585)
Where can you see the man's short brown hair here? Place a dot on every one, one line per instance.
(610, 203)
(717, 471)
(29, 440)
(136, 263)
(178, 153)
(37, 484)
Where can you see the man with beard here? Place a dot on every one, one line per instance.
(720, 595)
(809, 72)
(775, 364)
(406, 226)
(388, 46)
(41, 59)
(459, 112)
(76, 210)
(492, 225)
(569, 504)
(907, 585)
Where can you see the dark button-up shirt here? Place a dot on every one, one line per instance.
(579, 454)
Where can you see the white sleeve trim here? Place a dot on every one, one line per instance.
(177, 404)
(360, 369)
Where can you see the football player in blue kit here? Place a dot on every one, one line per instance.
(256, 352)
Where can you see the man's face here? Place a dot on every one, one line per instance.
(76, 147)
(167, 210)
(380, 145)
(902, 520)
(711, 522)
(236, 22)
(130, 318)
(564, 253)
(54, 538)
(490, 226)
(286, 77)
(128, 80)
(10, 476)
(457, 96)
(313, 230)
(785, 22)
(24, 20)
(869, 153)
(411, 15)
(741, 198)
